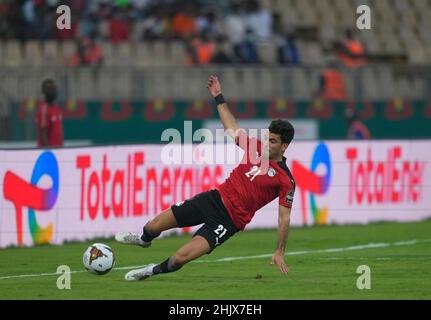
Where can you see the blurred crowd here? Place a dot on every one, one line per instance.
(213, 31)
(157, 19)
(204, 25)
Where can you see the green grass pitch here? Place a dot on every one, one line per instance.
(322, 260)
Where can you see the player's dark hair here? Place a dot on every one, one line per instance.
(49, 89)
(283, 128)
(47, 82)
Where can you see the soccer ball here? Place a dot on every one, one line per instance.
(99, 258)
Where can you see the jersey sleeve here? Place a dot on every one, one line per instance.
(42, 116)
(250, 145)
(287, 192)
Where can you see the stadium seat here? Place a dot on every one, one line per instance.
(417, 54)
(67, 49)
(13, 53)
(369, 84)
(391, 45)
(249, 80)
(308, 15)
(142, 55)
(108, 53)
(160, 54)
(231, 84)
(32, 53)
(300, 84)
(386, 81)
(123, 55)
(327, 35)
(177, 53)
(122, 84)
(327, 17)
(268, 53)
(409, 18)
(310, 53)
(269, 85)
(403, 88)
(2, 52)
(419, 86)
(290, 18)
(86, 76)
(50, 53)
(425, 35)
(350, 78)
(156, 85)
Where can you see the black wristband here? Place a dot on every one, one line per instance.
(220, 99)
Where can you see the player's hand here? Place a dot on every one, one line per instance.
(278, 259)
(214, 86)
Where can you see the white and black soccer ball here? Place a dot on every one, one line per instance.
(99, 258)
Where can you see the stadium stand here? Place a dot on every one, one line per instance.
(137, 36)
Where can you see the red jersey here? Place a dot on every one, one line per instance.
(51, 118)
(248, 189)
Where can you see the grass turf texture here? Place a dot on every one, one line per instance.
(397, 271)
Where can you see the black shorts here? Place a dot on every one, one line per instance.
(207, 208)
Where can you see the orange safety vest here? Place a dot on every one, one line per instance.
(355, 47)
(334, 88)
(204, 51)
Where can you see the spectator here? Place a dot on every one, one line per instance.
(351, 51)
(220, 55)
(288, 53)
(246, 51)
(89, 26)
(208, 23)
(235, 25)
(259, 20)
(11, 20)
(156, 25)
(332, 84)
(278, 28)
(119, 26)
(184, 22)
(202, 50)
(88, 54)
(356, 129)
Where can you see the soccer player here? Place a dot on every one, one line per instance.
(49, 117)
(227, 210)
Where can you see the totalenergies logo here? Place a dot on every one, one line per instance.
(27, 195)
(310, 182)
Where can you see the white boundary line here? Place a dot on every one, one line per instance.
(227, 259)
(331, 250)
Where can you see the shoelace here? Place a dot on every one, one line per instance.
(132, 237)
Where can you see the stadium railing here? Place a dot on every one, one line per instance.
(380, 81)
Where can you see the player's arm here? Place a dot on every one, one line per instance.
(43, 132)
(226, 117)
(283, 228)
(42, 124)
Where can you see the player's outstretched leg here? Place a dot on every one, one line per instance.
(192, 250)
(163, 221)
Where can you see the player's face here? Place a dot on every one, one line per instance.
(50, 91)
(275, 146)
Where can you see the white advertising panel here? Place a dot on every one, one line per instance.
(83, 193)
